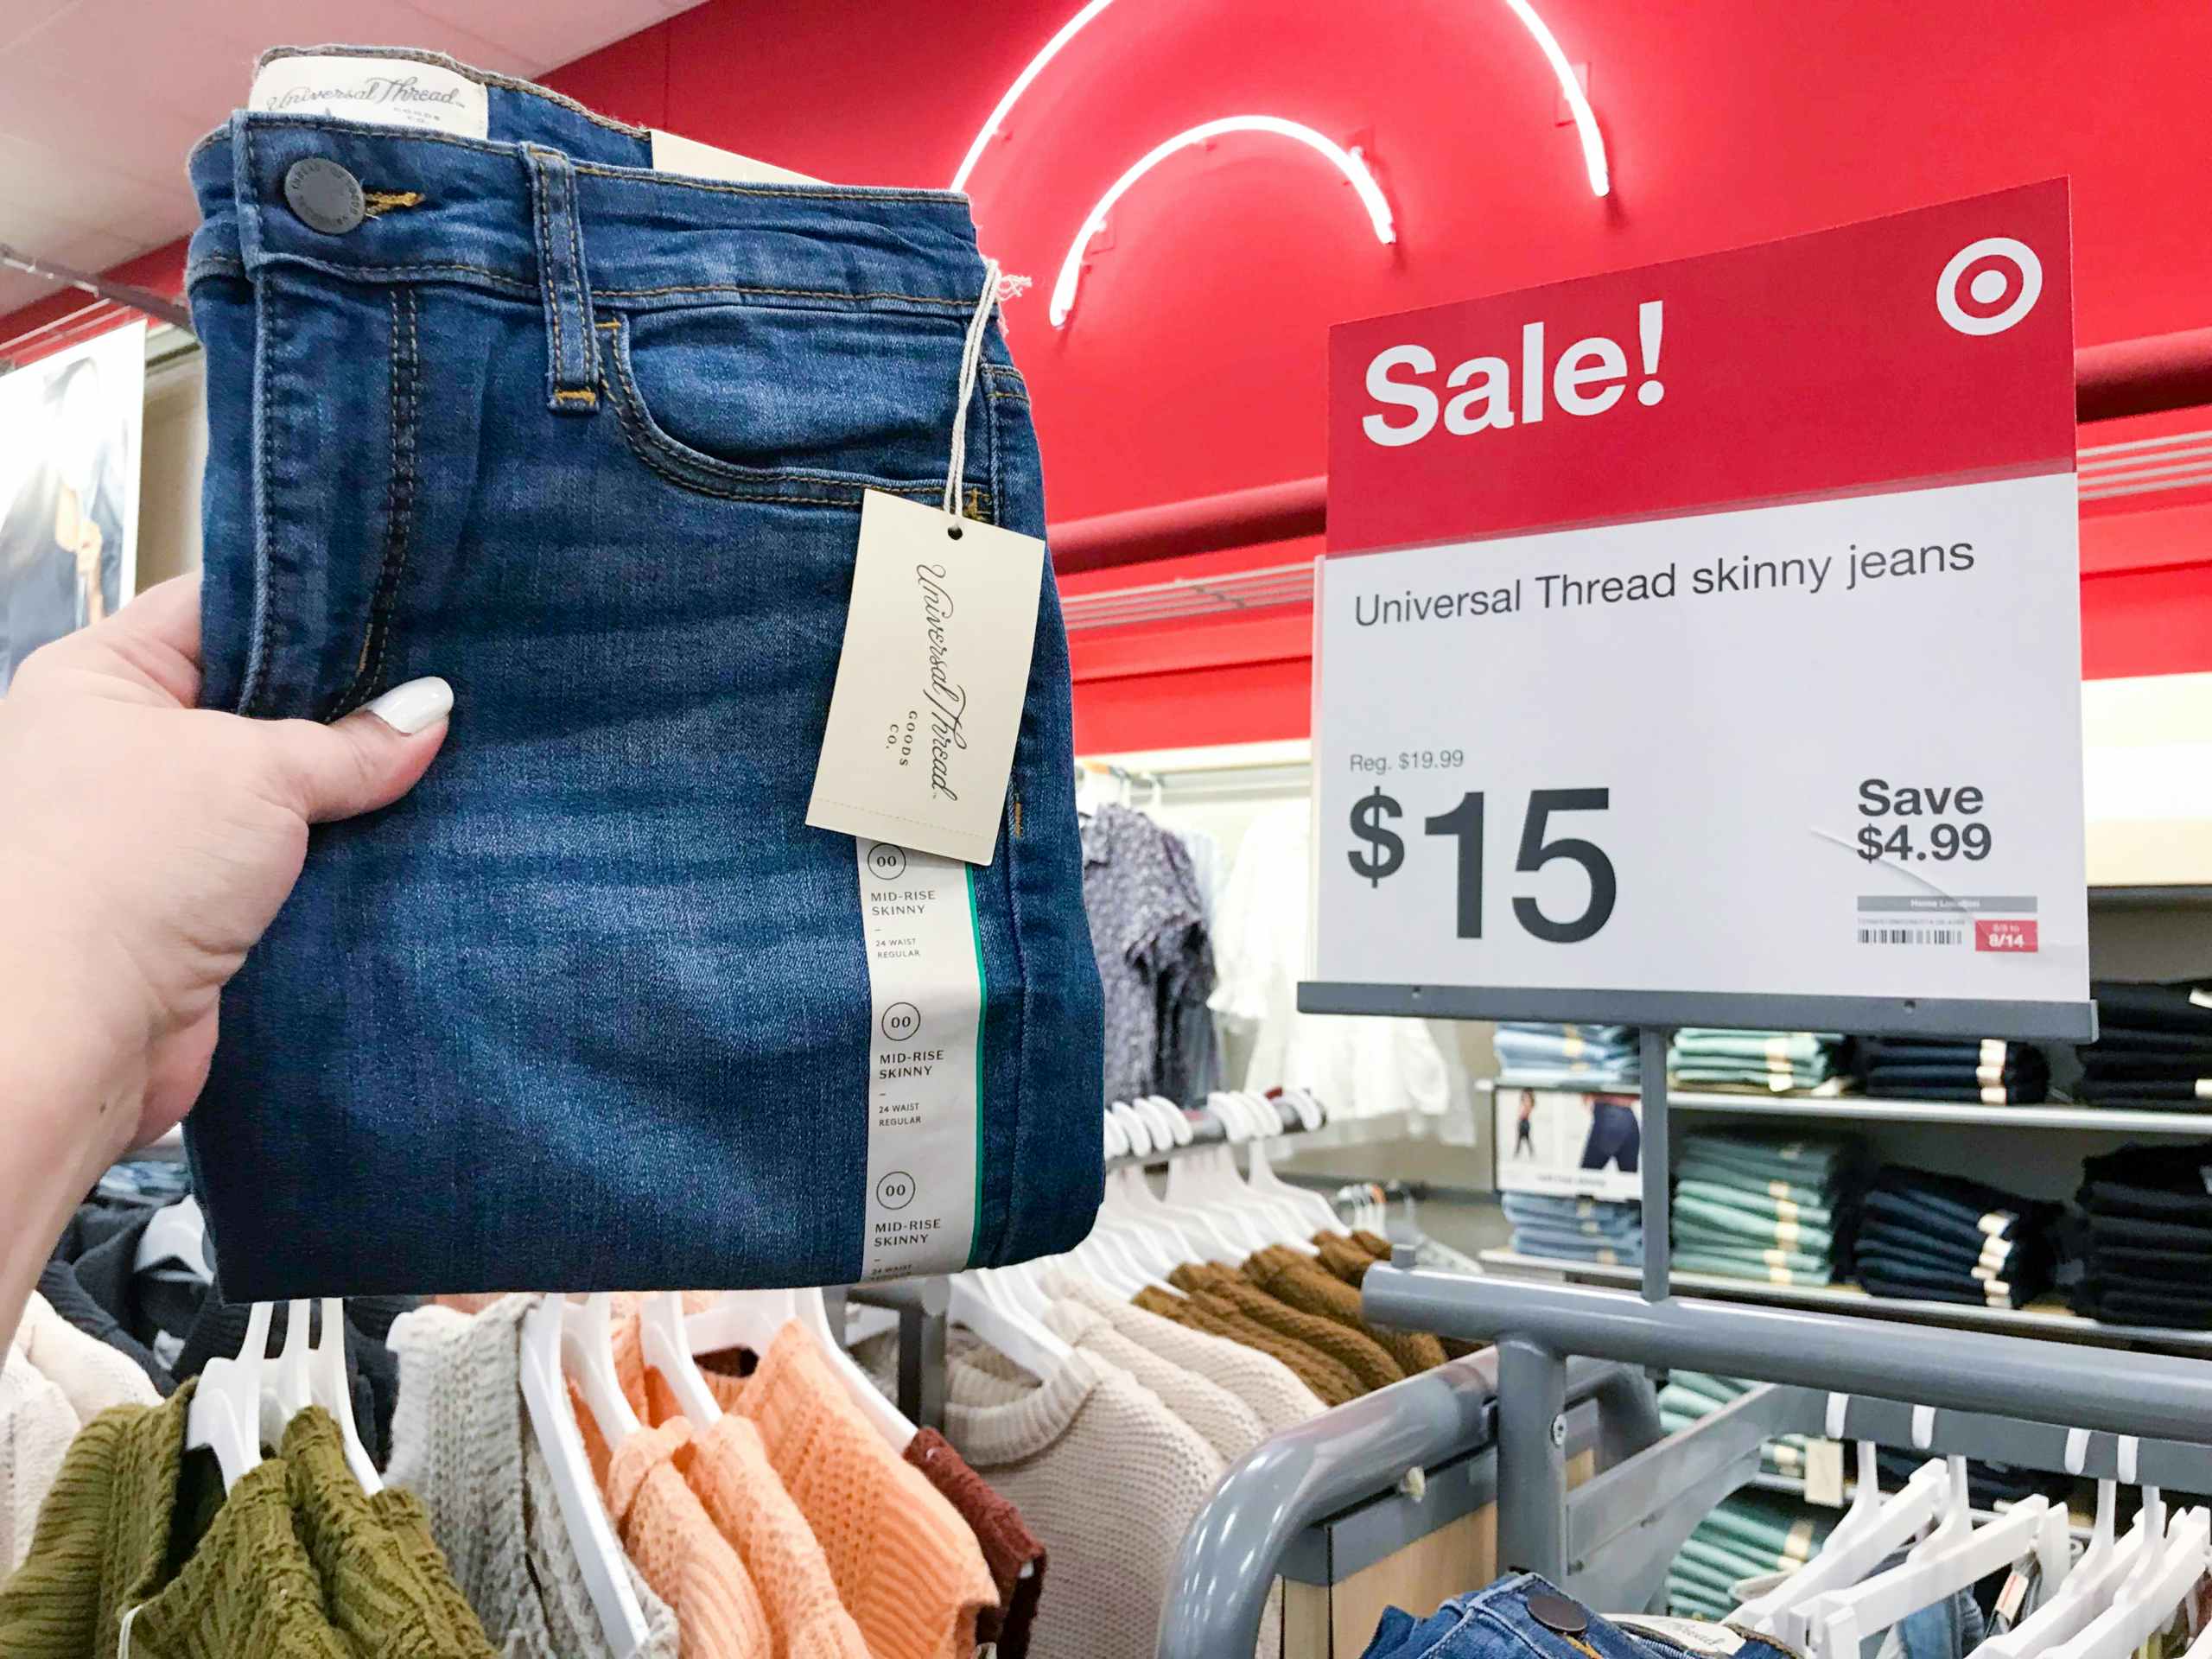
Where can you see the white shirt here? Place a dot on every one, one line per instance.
(1355, 1066)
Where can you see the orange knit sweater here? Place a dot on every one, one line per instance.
(731, 1472)
(906, 1566)
(679, 1550)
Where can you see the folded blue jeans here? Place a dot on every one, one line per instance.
(590, 1007)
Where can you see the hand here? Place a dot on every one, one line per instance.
(145, 846)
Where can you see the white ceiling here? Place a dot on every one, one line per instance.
(99, 100)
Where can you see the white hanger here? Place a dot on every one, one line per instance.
(1185, 1130)
(1871, 1529)
(2148, 1597)
(1133, 1126)
(213, 1425)
(751, 1318)
(1314, 1215)
(289, 1383)
(1159, 1238)
(1021, 1338)
(1190, 1190)
(313, 1373)
(1267, 1116)
(177, 1235)
(2089, 1587)
(1152, 1242)
(1215, 1179)
(2202, 1648)
(587, 1358)
(661, 1340)
(329, 1386)
(1117, 1138)
(1168, 1127)
(1954, 1557)
(1306, 1106)
(552, 1421)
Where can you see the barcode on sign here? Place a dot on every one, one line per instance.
(1912, 936)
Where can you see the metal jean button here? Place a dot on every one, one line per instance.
(1557, 1613)
(324, 195)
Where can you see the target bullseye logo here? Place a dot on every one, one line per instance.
(1989, 285)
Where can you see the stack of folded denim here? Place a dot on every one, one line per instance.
(1749, 1536)
(1941, 1239)
(2147, 1255)
(1989, 1485)
(1761, 1206)
(1775, 1061)
(1531, 1056)
(1576, 1229)
(1990, 1070)
(1690, 1395)
(2153, 1048)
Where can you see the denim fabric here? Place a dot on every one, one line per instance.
(1496, 1623)
(590, 1008)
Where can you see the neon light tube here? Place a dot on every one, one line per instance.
(1585, 120)
(1069, 30)
(1347, 161)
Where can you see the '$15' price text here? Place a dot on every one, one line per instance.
(1381, 854)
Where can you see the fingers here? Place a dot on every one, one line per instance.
(366, 761)
(148, 651)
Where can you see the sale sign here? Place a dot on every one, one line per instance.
(1701, 644)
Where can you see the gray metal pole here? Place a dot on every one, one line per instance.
(1531, 1458)
(1959, 1370)
(1343, 1458)
(1658, 1259)
(1228, 1559)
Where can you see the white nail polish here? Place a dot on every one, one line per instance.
(414, 706)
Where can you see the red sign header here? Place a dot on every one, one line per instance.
(1933, 346)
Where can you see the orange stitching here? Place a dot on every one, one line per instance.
(376, 202)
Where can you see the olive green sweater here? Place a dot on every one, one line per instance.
(296, 1562)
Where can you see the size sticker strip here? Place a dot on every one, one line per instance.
(925, 984)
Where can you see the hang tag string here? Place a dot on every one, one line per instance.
(971, 363)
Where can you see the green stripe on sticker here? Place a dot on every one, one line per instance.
(983, 1006)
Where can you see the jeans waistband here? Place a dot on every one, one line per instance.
(557, 198)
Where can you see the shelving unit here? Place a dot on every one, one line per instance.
(2048, 1320)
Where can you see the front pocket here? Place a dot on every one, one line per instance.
(794, 407)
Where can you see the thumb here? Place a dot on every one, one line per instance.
(366, 761)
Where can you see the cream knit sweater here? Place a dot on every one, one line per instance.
(1261, 1380)
(91, 1374)
(1223, 1421)
(54, 1380)
(461, 1442)
(1105, 1476)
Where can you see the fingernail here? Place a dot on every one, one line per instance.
(415, 706)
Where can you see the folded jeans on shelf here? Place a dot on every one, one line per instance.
(591, 1006)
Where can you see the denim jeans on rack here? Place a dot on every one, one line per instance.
(590, 1007)
(1521, 1617)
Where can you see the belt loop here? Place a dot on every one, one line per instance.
(571, 350)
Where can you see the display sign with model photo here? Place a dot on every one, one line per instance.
(1566, 1142)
